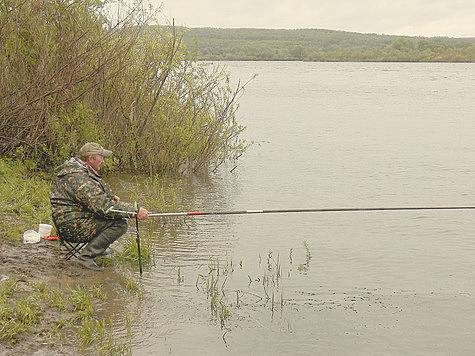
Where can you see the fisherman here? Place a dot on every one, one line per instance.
(80, 201)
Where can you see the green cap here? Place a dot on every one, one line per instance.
(92, 148)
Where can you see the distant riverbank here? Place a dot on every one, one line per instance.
(323, 46)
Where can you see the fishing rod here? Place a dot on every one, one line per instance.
(281, 211)
(284, 211)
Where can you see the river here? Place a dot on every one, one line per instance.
(328, 135)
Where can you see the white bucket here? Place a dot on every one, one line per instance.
(31, 237)
(45, 230)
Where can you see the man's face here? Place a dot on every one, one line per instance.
(95, 162)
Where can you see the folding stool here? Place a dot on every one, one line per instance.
(73, 248)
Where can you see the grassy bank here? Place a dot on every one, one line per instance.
(58, 318)
(24, 201)
(46, 303)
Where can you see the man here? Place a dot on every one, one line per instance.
(80, 201)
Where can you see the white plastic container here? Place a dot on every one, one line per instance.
(31, 237)
(45, 230)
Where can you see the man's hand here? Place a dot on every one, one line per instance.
(142, 214)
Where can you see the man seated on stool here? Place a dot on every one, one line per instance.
(80, 201)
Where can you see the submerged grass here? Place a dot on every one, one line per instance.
(303, 267)
(129, 252)
(264, 291)
(213, 284)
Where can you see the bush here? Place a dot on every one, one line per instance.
(71, 75)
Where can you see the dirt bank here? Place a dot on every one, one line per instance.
(36, 262)
(32, 264)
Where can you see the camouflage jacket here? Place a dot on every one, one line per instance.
(79, 192)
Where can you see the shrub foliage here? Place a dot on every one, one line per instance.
(72, 73)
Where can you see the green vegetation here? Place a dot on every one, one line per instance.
(324, 45)
(213, 284)
(70, 75)
(303, 267)
(55, 316)
(264, 291)
(24, 199)
(30, 312)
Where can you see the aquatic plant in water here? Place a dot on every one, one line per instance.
(128, 251)
(264, 290)
(213, 284)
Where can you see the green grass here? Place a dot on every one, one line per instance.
(17, 315)
(129, 252)
(24, 200)
(22, 313)
(132, 285)
(214, 285)
(264, 290)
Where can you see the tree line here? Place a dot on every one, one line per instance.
(323, 45)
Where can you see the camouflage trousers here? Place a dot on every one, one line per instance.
(86, 229)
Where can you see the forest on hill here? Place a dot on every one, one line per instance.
(323, 45)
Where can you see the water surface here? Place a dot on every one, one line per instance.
(383, 283)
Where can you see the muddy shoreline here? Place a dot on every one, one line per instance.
(31, 264)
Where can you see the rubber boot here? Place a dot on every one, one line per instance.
(94, 248)
(98, 245)
(89, 263)
(107, 253)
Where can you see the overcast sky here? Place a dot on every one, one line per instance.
(452, 18)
